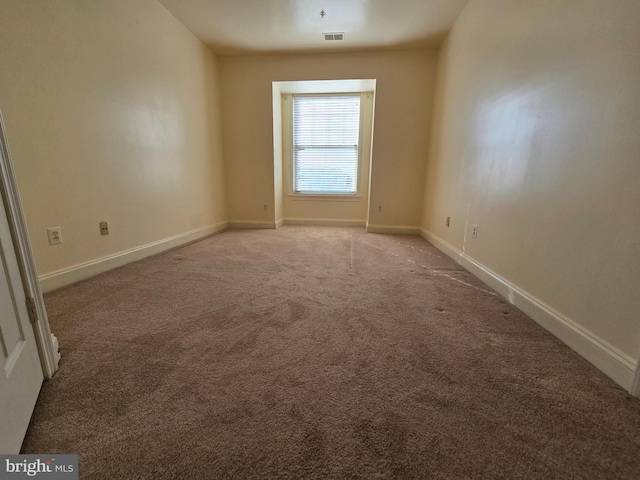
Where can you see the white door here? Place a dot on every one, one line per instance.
(20, 370)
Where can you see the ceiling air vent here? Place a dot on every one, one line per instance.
(334, 36)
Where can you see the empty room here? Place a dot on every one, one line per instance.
(320, 239)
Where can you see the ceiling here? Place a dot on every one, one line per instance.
(236, 27)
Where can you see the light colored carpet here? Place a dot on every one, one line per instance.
(317, 352)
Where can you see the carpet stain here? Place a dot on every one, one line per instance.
(384, 442)
(314, 450)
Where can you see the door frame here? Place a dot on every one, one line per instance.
(24, 254)
(635, 388)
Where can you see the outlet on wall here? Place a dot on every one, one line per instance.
(265, 207)
(55, 235)
(474, 232)
(379, 208)
(104, 228)
(447, 221)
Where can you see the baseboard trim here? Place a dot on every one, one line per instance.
(618, 366)
(328, 222)
(635, 389)
(441, 245)
(67, 276)
(279, 223)
(393, 229)
(251, 224)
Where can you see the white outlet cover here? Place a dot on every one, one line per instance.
(55, 235)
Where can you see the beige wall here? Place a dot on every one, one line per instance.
(400, 144)
(536, 140)
(112, 113)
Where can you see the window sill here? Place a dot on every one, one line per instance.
(324, 198)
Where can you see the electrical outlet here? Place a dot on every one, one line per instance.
(55, 235)
(379, 208)
(474, 232)
(265, 207)
(104, 228)
(447, 222)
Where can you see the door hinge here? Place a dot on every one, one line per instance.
(31, 309)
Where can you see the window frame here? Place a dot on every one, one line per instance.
(335, 196)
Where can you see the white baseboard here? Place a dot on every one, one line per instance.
(635, 389)
(329, 222)
(618, 366)
(67, 276)
(279, 223)
(441, 245)
(251, 224)
(393, 229)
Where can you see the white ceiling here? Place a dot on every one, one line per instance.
(233, 27)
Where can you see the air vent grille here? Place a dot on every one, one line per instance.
(334, 36)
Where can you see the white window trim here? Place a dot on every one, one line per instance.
(365, 122)
(332, 197)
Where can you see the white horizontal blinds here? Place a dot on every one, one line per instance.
(326, 130)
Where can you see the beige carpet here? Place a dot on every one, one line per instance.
(316, 352)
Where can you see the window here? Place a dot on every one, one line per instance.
(326, 132)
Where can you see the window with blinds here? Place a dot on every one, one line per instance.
(326, 132)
